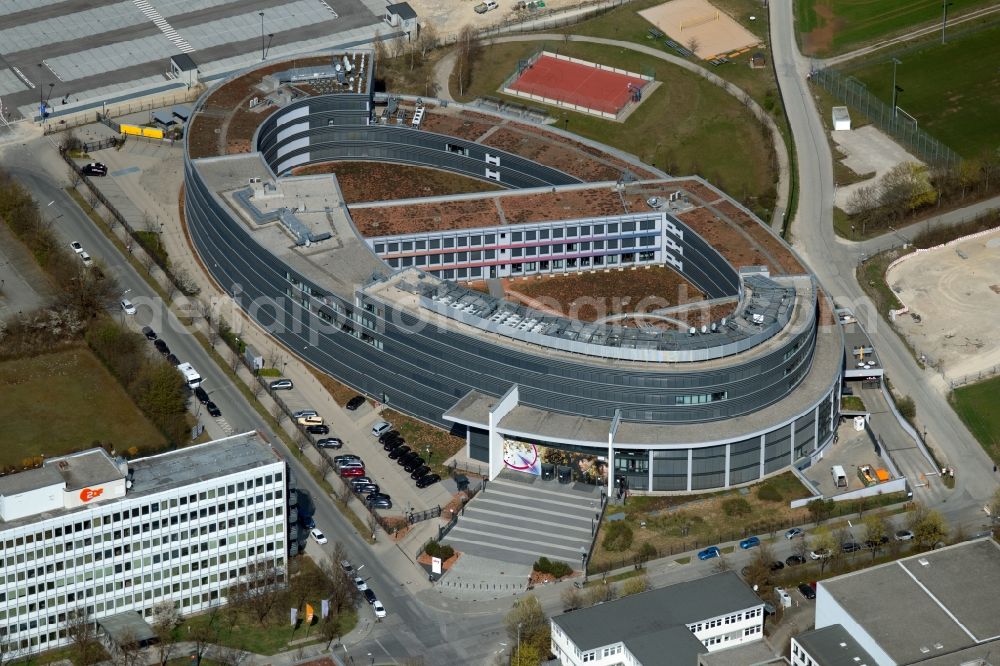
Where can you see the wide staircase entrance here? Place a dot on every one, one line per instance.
(519, 517)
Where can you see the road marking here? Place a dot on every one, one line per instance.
(226, 428)
(168, 31)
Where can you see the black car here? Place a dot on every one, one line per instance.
(318, 429)
(358, 480)
(871, 544)
(95, 169)
(213, 409)
(354, 403)
(201, 395)
(391, 444)
(173, 360)
(399, 452)
(386, 436)
(413, 463)
(149, 333)
(423, 470)
(850, 547)
(795, 560)
(404, 459)
(371, 497)
(370, 596)
(807, 590)
(777, 565)
(365, 488)
(345, 458)
(381, 503)
(161, 347)
(329, 443)
(428, 480)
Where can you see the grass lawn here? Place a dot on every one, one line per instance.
(419, 435)
(976, 405)
(674, 523)
(76, 399)
(828, 27)
(952, 90)
(687, 126)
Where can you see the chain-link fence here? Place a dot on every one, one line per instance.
(539, 20)
(854, 93)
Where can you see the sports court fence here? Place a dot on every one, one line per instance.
(540, 20)
(854, 93)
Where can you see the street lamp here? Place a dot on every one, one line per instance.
(261, 36)
(895, 88)
(944, 17)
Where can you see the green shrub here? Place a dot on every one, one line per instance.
(907, 408)
(617, 537)
(269, 372)
(768, 493)
(557, 569)
(737, 506)
(435, 549)
(647, 551)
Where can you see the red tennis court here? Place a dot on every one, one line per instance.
(578, 83)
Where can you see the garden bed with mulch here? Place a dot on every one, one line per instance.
(362, 181)
(728, 242)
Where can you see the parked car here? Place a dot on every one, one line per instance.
(850, 547)
(381, 503)
(399, 452)
(393, 443)
(423, 470)
(413, 464)
(76, 247)
(819, 554)
(309, 420)
(370, 596)
(749, 542)
(344, 457)
(360, 583)
(379, 609)
(354, 403)
(904, 535)
(352, 471)
(795, 560)
(387, 435)
(173, 360)
(794, 532)
(87, 261)
(381, 427)
(94, 169)
(213, 409)
(308, 522)
(361, 479)
(128, 307)
(777, 565)
(349, 463)
(149, 333)
(318, 429)
(347, 568)
(330, 443)
(365, 488)
(371, 497)
(709, 553)
(161, 347)
(404, 459)
(302, 413)
(807, 590)
(281, 385)
(871, 544)
(319, 536)
(428, 480)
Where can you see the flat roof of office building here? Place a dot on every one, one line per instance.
(834, 646)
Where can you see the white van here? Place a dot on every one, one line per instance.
(381, 427)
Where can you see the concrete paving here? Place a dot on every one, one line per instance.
(868, 151)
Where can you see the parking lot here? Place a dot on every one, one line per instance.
(852, 449)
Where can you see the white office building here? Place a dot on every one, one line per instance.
(94, 536)
(683, 620)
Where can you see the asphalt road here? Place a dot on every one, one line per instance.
(834, 263)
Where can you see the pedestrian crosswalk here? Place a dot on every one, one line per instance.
(153, 15)
(224, 424)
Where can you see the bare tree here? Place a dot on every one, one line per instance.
(721, 564)
(82, 634)
(146, 261)
(326, 466)
(468, 54)
(278, 412)
(231, 655)
(257, 591)
(74, 177)
(256, 388)
(165, 620)
(127, 649)
(373, 522)
(381, 53)
(693, 44)
(329, 629)
(571, 599)
(427, 40)
(234, 360)
(203, 636)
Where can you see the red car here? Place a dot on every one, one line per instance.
(352, 471)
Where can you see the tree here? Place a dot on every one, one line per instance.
(634, 585)
(600, 593)
(527, 624)
(876, 529)
(758, 572)
(693, 44)
(527, 654)
(82, 634)
(468, 54)
(571, 598)
(257, 591)
(381, 53)
(928, 527)
(427, 40)
(823, 540)
(127, 650)
(202, 636)
(721, 564)
(863, 206)
(164, 622)
(820, 509)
